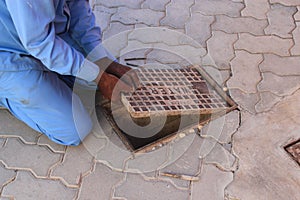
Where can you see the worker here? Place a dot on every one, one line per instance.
(43, 47)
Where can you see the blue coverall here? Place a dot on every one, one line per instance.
(42, 43)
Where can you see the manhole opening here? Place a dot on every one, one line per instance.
(293, 149)
(182, 98)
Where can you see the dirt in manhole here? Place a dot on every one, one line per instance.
(294, 150)
(167, 102)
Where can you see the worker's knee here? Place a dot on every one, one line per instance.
(71, 134)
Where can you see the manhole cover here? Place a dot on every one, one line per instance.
(170, 100)
(173, 92)
(294, 150)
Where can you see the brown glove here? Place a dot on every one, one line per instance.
(125, 73)
(111, 86)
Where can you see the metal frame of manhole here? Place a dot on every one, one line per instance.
(205, 111)
(293, 149)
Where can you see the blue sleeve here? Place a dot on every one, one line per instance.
(84, 31)
(33, 20)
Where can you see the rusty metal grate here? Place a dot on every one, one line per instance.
(173, 92)
(294, 150)
(187, 96)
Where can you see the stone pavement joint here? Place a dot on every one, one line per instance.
(245, 72)
(296, 36)
(199, 27)
(16, 156)
(172, 18)
(216, 55)
(158, 5)
(135, 187)
(240, 25)
(221, 7)
(256, 8)
(136, 16)
(264, 44)
(281, 21)
(26, 186)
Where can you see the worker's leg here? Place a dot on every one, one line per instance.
(45, 103)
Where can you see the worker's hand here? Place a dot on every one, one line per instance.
(125, 73)
(111, 86)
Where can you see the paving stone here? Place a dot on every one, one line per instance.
(77, 161)
(244, 100)
(279, 85)
(220, 76)
(117, 28)
(115, 43)
(160, 35)
(99, 184)
(240, 25)
(198, 27)
(11, 127)
(264, 44)
(189, 163)
(136, 187)
(256, 8)
(134, 16)
(117, 3)
(188, 53)
(148, 162)
(163, 57)
(159, 5)
(45, 141)
(281, 21)
(117, 161)
(5, 176)
(286, 2)
(172, 9)
(36, 158)
(297, 15)
(266, 102)
(282, 66)
(212, 184)
(222, 128)
(27, 187)
(103, 15)
(218, 7)
(115, 37)
(245, 72)
(265, 166)
(296, 36)
(221, 157)
(220, 50)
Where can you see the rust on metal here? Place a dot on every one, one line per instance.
(173, 95)
(294, 150)
(173, 92)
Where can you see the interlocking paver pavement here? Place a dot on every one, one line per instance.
(27, 187)
(264, 44)
(265, 167)
(136, 187)
(251, 48)
(172, 18)
(212, 183)
(256, 8)
(246, 74)
(100, 183)
(17, 155)
(240, 25)
(281, 21)
(296, 35)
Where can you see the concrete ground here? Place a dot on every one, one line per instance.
(252, 47)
